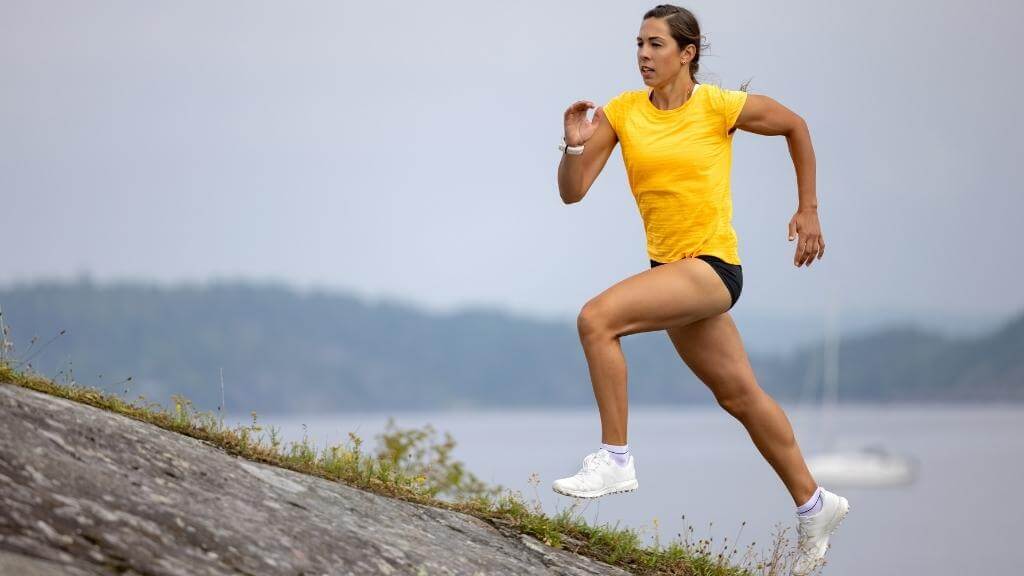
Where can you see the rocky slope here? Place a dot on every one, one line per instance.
(86, 491)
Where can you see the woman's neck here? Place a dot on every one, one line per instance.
(673, 95)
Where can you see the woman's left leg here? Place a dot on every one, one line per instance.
(712, 348)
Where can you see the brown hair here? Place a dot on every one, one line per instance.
(685, 30)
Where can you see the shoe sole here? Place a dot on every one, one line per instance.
(622, 487)
(844, 509)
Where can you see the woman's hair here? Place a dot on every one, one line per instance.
(685, 30)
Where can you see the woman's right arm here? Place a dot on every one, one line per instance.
(577, 173)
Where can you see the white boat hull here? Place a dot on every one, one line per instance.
(861, 468)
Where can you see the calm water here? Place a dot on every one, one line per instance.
(961, 516)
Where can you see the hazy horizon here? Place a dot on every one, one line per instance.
(407, 154)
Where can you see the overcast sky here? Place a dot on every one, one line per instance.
(410, 151)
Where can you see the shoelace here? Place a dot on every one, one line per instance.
(590, 463)
(804, 540)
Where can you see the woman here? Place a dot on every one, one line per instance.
(676, 137)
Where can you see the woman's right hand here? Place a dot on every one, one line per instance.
(578, 128)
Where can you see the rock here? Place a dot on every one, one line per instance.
(87, 491)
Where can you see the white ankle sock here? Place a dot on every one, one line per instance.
(620, 454)
(812, 506)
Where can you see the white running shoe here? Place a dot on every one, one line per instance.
(813, 532)
(600, 475)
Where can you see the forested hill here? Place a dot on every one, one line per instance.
(283, 351)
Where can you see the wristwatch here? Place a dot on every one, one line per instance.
(574, 150)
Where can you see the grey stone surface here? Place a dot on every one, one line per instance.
(12, 564)
(86, 491)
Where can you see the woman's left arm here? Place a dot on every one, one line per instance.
(763, 115)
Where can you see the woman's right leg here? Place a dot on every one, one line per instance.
(670, 295)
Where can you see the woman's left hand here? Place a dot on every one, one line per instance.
(811, 244)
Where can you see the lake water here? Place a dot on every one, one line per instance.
(962, 515)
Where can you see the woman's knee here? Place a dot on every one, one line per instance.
(743, 397)
(593, 319)
(738, 405)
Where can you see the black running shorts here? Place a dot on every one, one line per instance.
(731, 274)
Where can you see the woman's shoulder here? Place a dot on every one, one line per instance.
(627, 96)
(617, 108)
(710, 88)
(720, 97)
(712, 93)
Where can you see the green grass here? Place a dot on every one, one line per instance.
(409, 464)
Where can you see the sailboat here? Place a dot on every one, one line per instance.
(867, 466)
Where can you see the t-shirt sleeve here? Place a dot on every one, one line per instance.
(731, 105)
(615, 111)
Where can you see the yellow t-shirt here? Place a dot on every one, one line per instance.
(678, 163)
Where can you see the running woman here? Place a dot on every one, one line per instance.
(676, 137)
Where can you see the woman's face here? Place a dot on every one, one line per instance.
(656, 49)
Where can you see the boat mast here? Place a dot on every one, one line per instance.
(830, 394)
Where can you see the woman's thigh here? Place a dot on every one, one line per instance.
(673, 294)
(713, 349)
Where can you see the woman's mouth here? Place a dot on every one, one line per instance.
(645, 70)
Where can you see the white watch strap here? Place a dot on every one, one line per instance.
(574, 150)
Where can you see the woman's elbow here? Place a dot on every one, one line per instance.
(572, 200)
(796, 125)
